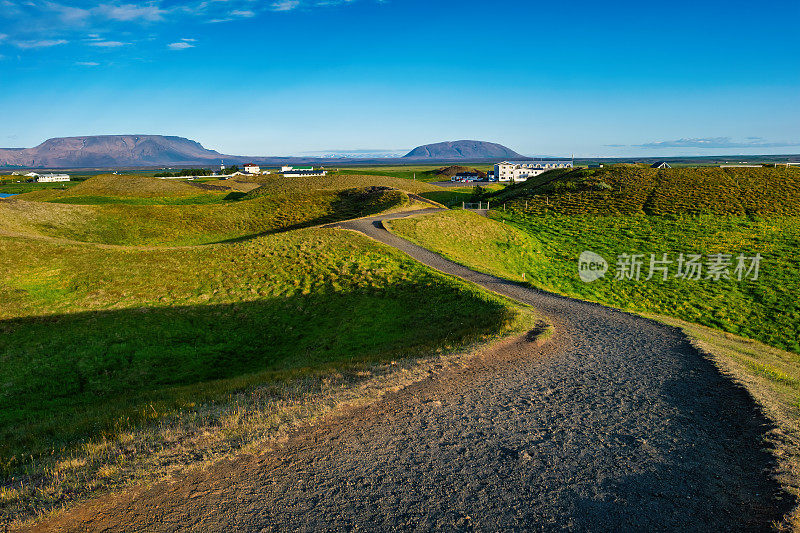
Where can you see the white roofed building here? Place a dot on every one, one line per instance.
(522, 170)
(52, 178)
(298, 172)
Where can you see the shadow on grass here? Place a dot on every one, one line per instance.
(67, 378)
(348, 204)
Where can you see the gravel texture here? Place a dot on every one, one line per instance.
(614, 424)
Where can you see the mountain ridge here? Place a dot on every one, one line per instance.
(463, 150)
(109, 150)
(158, 151)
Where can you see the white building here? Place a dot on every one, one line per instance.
(522, 170)
(298, 172)
(252, 169)
(51, 178)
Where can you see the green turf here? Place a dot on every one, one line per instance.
(11, 187)
(546, 250)
(169, 200)
(142, 221)
(630, 190)
(91, 337)
(424, 173)
(97, 339)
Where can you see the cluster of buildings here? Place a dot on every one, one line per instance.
(288, 171)
(515, 171)
(45, 178)
(301, 172)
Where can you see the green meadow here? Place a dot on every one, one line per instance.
(545, 249)
(98, 339)
(154, 212)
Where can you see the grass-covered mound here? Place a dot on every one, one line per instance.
(115, 186)
(94, 340)
(629, 190)
(271, 208)
(446, 173)
(421, 173)
(340, 181)
(546, 250)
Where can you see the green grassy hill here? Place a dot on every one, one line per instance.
(100, 343)
(278, 204)
(92, 335)
(546, 250)
(123, 188)
(629, 190)
(422, 173)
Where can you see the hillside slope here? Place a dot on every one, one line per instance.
(625, 190)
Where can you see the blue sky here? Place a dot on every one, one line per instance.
(287, 77)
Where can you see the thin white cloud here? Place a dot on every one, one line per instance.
(188, 40)
(717, 143)
(30, 24)
(43, 43)
(180, 45)
(87, 63)
(285, 5)
(108, 44)
(127, 12)
(69, 15)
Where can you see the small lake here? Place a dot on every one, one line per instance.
(4, 195)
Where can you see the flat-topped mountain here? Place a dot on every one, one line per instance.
(109, 151)
(463, 150)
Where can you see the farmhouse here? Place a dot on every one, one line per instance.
(252, 169)
(522, 170)
(51, 178)
(297, 172)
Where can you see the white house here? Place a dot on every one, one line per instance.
(522, 170)
(51, 178)
(297, 172)
(249, 168)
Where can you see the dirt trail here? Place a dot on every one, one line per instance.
(615, 424)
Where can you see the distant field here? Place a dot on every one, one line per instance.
(11, 187)
(453, 196)
(425, 173)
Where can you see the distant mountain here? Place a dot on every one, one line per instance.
(462, 150)
(110, 151)
(121, 151)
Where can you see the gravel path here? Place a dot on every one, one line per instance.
(615, 424)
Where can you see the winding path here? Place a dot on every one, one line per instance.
(615, 424)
